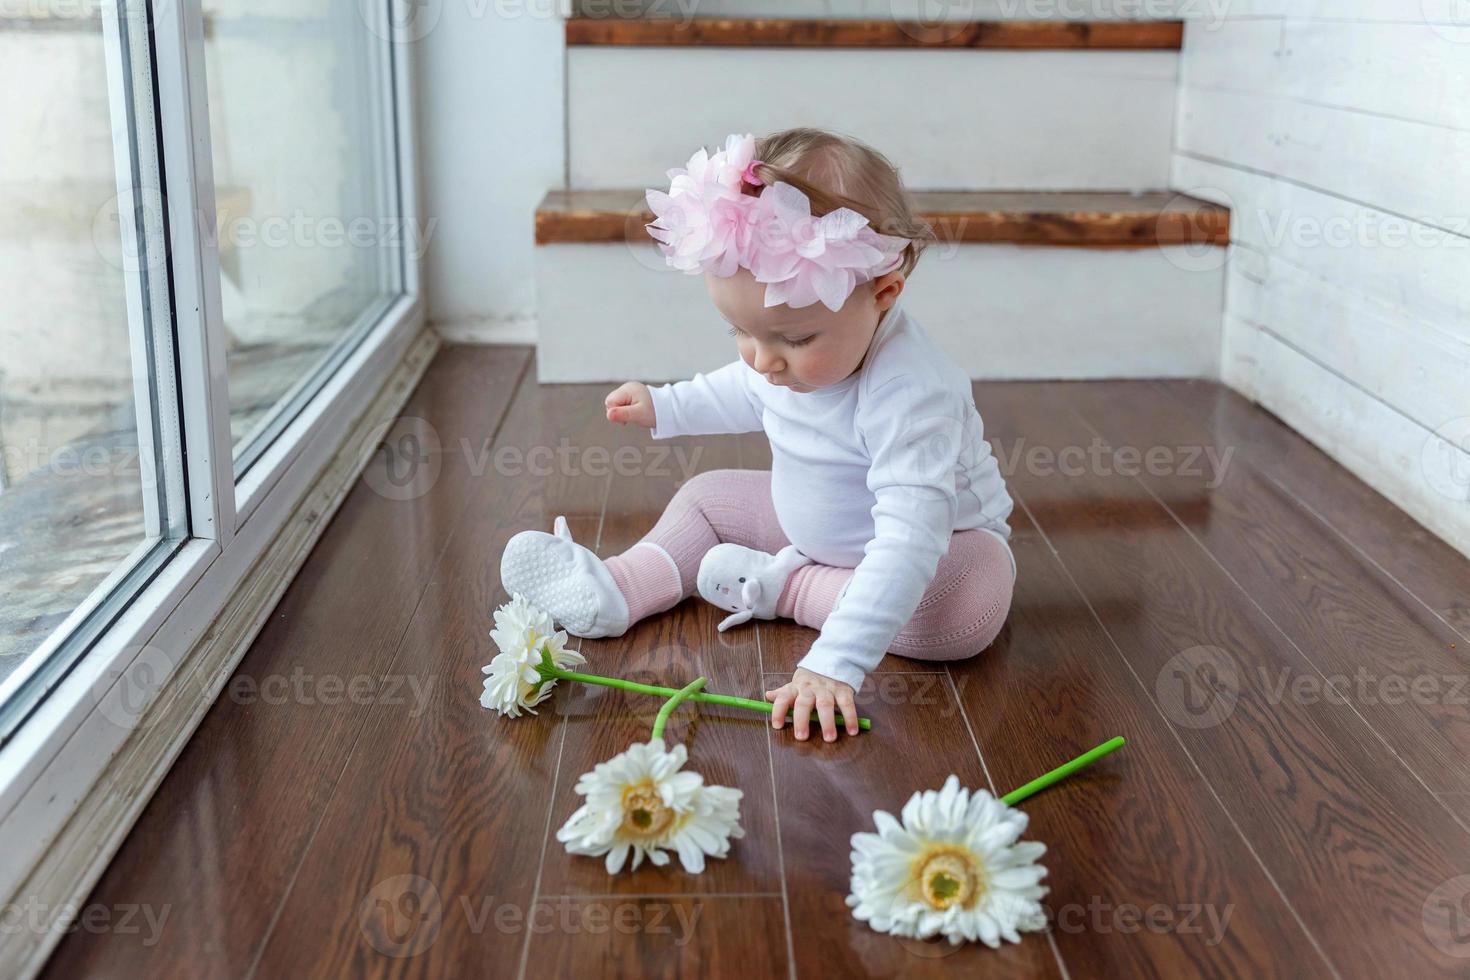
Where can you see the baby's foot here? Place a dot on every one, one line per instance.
(558, 575)
(746, 581)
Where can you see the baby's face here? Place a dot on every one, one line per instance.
(801, 349)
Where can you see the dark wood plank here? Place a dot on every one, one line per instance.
(1423, 563)
(224, 834)
(726, 745)
(1148, 876)
(815, 32)
(828, 791)
(451, 794)
(1095, 219)
(1373, 646)
(1352, 839)
(659, 937)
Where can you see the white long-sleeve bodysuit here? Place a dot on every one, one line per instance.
(873, 473)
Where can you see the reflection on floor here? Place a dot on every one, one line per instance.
(1285, 651)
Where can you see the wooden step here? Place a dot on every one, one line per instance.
(802, 32)
(1055, 218)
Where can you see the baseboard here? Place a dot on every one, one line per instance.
(516, 328)
(66, 874)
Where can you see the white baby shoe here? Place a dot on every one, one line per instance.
(746, 581)
(563, 578)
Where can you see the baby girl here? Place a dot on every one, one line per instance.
(882, 521)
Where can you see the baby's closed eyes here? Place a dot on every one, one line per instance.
(736, 331)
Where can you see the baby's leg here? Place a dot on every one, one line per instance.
(711, 508)
(960, 614)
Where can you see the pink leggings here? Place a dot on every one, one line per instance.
(960, 614)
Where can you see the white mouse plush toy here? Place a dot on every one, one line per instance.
(746, 581)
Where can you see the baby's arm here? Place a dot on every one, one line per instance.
(708, 404)
(914, 441)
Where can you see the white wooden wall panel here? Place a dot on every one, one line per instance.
(1338, 136)
(1042, 120)
(1407, 71)
(1413, 466)
(1384, 350)
(1381, 257)
(1413, 169)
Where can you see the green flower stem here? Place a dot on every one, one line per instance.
(672, 703)
(1061, 772)
(550, 671)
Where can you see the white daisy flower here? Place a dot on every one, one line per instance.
(640, 802)
(952, 868)
(518, 625)
(523, 633)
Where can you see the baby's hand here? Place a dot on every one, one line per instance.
(630, 402)
(807, 689)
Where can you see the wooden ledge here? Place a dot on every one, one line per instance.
(795, 32)
(1091, 219)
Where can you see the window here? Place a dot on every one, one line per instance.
(92, 497)
(208, 271)
(300, 99)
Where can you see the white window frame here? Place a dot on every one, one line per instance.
(63, 750)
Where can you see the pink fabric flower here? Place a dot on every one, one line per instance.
(706, 224)
(803, 259)
(702, 223)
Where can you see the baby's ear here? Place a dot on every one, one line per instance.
(887, 288)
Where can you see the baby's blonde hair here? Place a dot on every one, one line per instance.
(836, 171)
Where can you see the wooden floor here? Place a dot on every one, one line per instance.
(1285, 651)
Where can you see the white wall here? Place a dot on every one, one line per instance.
(491, 131)
(1343, 150)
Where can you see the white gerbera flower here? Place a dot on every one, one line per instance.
(639, 801)
(952, 868)
(523, 632)
(518, 625)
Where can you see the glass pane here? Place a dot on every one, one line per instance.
(300, 101)
(91, 476)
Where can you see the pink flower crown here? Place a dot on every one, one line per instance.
(706, 223)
